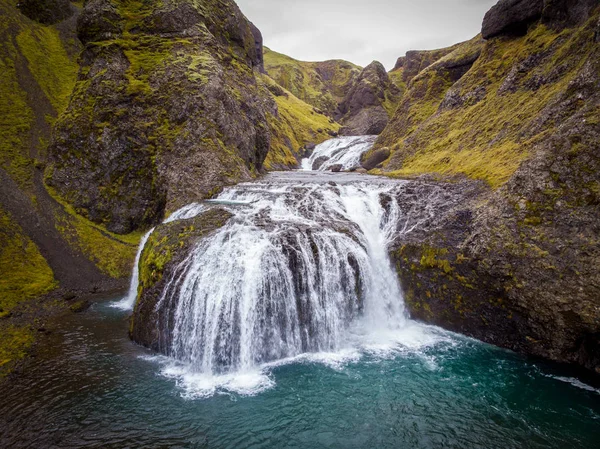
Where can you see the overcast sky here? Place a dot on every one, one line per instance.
(364, 30)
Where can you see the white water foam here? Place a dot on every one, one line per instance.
(344, 151)
(128, 302)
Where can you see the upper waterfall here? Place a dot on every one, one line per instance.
(342, 151)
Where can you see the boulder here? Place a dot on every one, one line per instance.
(318, 162)
(511, 17)
(375, 158)
(336, 168)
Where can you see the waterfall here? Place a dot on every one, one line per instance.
(128, 301)
(344, 151)
(301, 267)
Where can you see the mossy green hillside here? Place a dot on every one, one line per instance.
(320, 84)
(14, 345)
(293, 125)
(30, 51)
(485, 124)
(25, 272)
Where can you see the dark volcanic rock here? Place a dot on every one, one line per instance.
(520, 268)
(363, 110)
(46, 11)
(567, 13)
(165, 112)
(511, 17)
(375, 158)
(166, 248)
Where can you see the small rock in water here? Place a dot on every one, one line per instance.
(336, 168)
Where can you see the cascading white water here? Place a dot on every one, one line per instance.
(299, 268)
(344, 151)
(128, 301)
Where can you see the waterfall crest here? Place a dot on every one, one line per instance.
(301, 266)
(344, 151)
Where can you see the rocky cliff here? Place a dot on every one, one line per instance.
(516, 266)
(369, 103)
(361, 100)
(320, 84)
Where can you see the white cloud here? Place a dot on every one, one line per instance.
(362, 31)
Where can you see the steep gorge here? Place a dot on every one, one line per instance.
(170, 103)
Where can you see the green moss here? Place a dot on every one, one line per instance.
(490, 138)
(27, 45)
(112, 253)
(49, 63)
(433, 258)
(14, 344)
(296, 124)
(25, 272)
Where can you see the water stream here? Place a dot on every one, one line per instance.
(286, 328)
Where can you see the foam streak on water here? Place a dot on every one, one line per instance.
(344, 151)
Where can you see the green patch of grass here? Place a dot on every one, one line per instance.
(14, 344)
(113, 254)
(25, 272)
(490, 138)
(304, 80)
(49, 63)
(297, 124)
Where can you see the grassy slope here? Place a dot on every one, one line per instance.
(487, 139)
(38, 70)
(296, 125)
(304, 81)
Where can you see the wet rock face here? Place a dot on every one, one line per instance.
(166, 248)
(47, 12)
(519, 267)
(362, 111)
(165, 112)
(375, 158)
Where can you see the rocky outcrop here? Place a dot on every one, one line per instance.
(320, 84)
(369, 103)
(375, 159)
(512, 17)
(516, 266)
(47, 12)
(415, 61)
(166, 110)
(166, 248)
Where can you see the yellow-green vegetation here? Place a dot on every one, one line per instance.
(320, 84)
(49, 63)
(113, 254)
(14, 344)
(26, 46)
(496, 122)
(295, 125)
(172, 238)
(25, 274)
